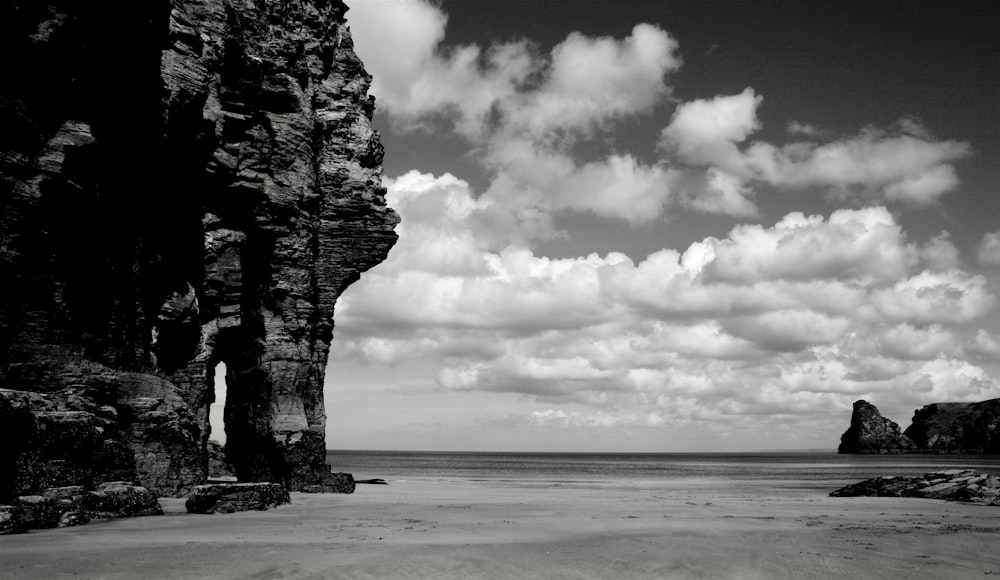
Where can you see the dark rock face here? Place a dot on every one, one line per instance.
(957, 427)
(189, 182)
(955, 485)
(936, 428)
(870, 432)
(218, 465)
(236, 497)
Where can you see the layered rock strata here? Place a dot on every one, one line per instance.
(184, 183)
(936, 428)
(965, 485)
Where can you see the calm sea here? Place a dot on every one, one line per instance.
(805, 469)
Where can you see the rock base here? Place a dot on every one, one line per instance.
(236, 497)
(72, 506)
(954, 485)
(333, 483)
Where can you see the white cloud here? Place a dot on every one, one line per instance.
(940, 253)
(805, 129)
(707, 131)
(861, 244)
(792, 320)
(935, 297)
(589, 81)
(509, 87)
(525, 111)
(906, 166)
(717, 192)
(988, 252)
(801, 317)
(908, 342)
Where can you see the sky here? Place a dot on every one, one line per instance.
(657, 226)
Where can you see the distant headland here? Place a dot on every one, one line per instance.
(935, 428)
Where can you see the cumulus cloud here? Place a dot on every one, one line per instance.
(793, 318)
(707, 131)
(509, 87)
(905, 165)
(803, 316)
(988, 252)
(525, 111)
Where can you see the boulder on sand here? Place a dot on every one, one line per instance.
(236, 497)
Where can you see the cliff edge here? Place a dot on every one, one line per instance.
(184, 183)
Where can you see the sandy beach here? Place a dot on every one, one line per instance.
(495, 529)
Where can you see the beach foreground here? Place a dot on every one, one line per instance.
(691, 528)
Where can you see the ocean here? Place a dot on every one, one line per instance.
(783, 469)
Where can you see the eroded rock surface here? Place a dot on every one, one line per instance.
(870, 432)
(182, 183)
(73, 506)
(236, 497)
(955, 485)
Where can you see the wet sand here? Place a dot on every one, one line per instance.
(494, 529)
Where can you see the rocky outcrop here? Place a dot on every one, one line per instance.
(73, 505)
(870, 432)
(236, 497)
(936, 428)
(182, 183)
(957, 427)
(955, 485)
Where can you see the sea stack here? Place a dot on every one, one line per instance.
(184, 183)
(870, 432)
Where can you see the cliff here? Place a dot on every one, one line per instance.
(936, 428)
(957, 427)
(184, 183)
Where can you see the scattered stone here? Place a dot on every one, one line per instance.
(72, 506)
(965, 485)
(236, 497)
(69, 519)
(11, 519)
(120, 499)
(39, 512)
(69, 492)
